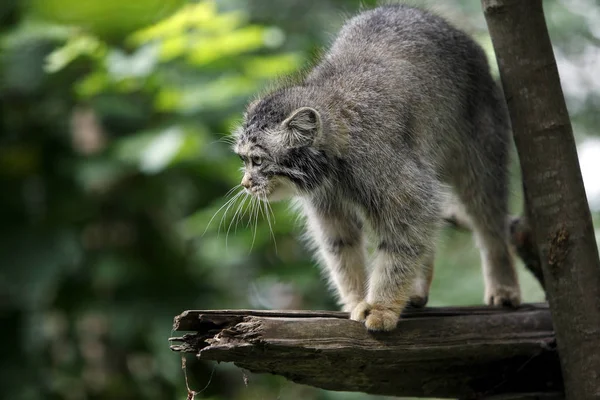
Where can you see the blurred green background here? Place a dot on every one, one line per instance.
(114, 121)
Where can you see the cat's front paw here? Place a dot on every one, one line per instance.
(360, 311)
(501, 295)
(376, 317)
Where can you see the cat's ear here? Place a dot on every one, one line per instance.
(302, 127)
(250, 107)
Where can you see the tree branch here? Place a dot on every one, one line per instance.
(466, 352)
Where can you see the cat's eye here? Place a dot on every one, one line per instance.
(256, 160)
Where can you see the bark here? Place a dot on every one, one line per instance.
(464, 352)
(555, 197)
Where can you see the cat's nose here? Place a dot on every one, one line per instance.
(246, 181)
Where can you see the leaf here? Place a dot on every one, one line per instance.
(105, 18)
(75, 47)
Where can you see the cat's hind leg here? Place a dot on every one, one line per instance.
(422, 284)
(484, 196)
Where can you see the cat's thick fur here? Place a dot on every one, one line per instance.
(401, 108)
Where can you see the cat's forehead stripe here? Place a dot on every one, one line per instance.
(245, 147)
(250, 136)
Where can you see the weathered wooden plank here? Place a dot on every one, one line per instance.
(466, 352)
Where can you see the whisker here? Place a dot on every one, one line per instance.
(217, 212)
(252, 205)
(251, 215)
(230, 203)
(245, 209)
(239, 205)
(272, 213)
(230, 191)
(274, 220)
(255, 224)
(268, 217)
(227, 139)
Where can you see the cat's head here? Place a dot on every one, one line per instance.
(278, 144)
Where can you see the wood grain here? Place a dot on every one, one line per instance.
(458, 352)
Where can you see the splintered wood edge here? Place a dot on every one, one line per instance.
(481, 342)
(188, 320)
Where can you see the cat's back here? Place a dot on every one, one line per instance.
(398, 66)
(411, 30)
(388, 37)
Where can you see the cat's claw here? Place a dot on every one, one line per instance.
(418, 301)
(376, 317)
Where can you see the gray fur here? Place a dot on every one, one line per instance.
(401, 108)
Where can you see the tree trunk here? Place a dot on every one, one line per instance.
(554, 191)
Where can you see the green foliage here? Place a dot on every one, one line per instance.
(108, 18)
(114, 159)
